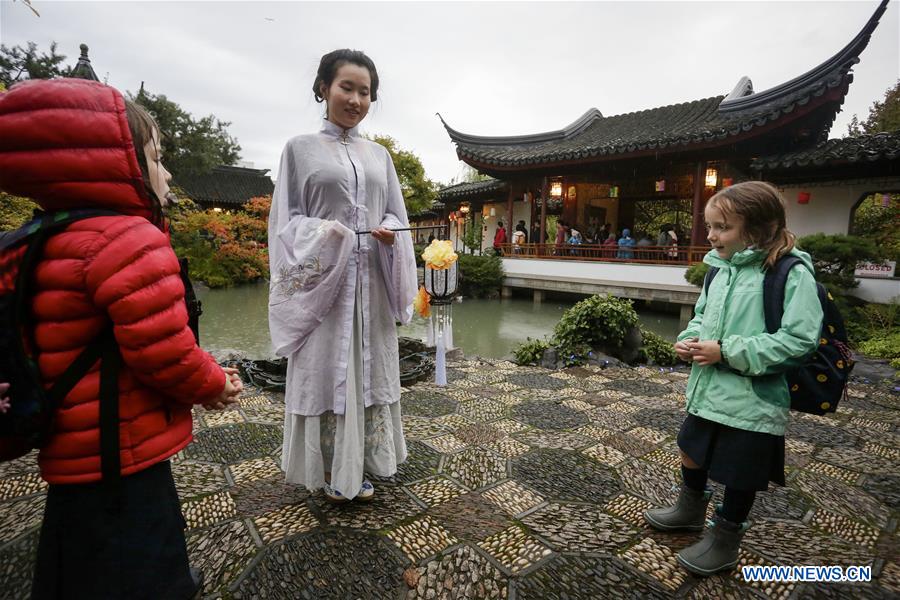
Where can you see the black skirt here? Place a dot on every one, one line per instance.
(736, 458)
(127, 545)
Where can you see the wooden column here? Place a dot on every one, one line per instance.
(545, 195)
(697, 229)
(509, 213)
(532, 216)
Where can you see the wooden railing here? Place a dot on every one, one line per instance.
(649, 255)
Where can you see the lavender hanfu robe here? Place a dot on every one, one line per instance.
(334, 299)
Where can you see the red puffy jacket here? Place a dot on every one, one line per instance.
(66, 144)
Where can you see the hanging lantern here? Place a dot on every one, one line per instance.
(712, 177)
(493, 212)
(556, 189)
(613, 191)
(803, 197)
(441, 278)
(660, 185)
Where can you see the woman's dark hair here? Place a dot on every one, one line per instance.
(331, 62)
(141, 124)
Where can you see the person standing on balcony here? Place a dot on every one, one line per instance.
(561, 236)
(626, 243)
(519, 237)
(610, 245)
(643, 243)
(499, 238)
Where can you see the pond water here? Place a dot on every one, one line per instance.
(237, 318)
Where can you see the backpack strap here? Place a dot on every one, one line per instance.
(707, 280)
(774, 284)
(110, 364)
(48, 221)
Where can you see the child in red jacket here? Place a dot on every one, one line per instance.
(68, 144)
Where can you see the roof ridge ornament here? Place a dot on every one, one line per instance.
(83, 68)
(842, 61)
(744, 87)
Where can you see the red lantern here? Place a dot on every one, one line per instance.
(727, 181)
(803, 197)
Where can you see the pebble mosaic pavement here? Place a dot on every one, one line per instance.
(521, 483)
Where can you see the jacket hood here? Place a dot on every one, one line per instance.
(751, 255)
(65, 144)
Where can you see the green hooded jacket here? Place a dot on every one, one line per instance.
(733, 313)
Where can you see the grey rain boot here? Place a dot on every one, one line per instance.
(687, 514)
(717, 550)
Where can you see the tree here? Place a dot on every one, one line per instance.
(189, 145)
(883, 116)
(18, 63)
(419, 192)
(471, 175)
(835, 258)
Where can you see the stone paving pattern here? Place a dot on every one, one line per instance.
(521, 483)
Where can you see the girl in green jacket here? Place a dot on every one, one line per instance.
(734, 431)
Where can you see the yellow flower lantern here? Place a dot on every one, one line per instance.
(441, 277)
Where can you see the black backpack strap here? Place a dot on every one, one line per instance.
(707, 280)
(774, 284)
(49, 221)
(110, 364)
(194, 306)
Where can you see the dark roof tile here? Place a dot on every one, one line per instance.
(859, 149)
(229, 186)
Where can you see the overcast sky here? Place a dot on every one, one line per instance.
(489, 68)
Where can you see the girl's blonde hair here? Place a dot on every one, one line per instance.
(761, 206)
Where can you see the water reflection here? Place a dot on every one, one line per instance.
(237, 318)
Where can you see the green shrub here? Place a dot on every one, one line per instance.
(223, 248)
(883, 346)
(472, 237)
(695, 273)
(835, 258)
(530, 351)
(657, 349)
(480, 276)
(877, 222)
(596, 322)
(14, 211)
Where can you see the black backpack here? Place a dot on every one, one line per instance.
(27, 422)
(819, 383)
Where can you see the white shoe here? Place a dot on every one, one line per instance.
(332, 495)
(366, 491)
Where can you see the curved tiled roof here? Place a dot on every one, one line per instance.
(593, 137)
(858, 149)
(225, 185)
(468, 189)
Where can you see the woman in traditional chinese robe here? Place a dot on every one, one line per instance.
(336, 293)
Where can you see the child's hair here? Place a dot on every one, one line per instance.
(334, 60)
(761, 206)
(142, 126)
